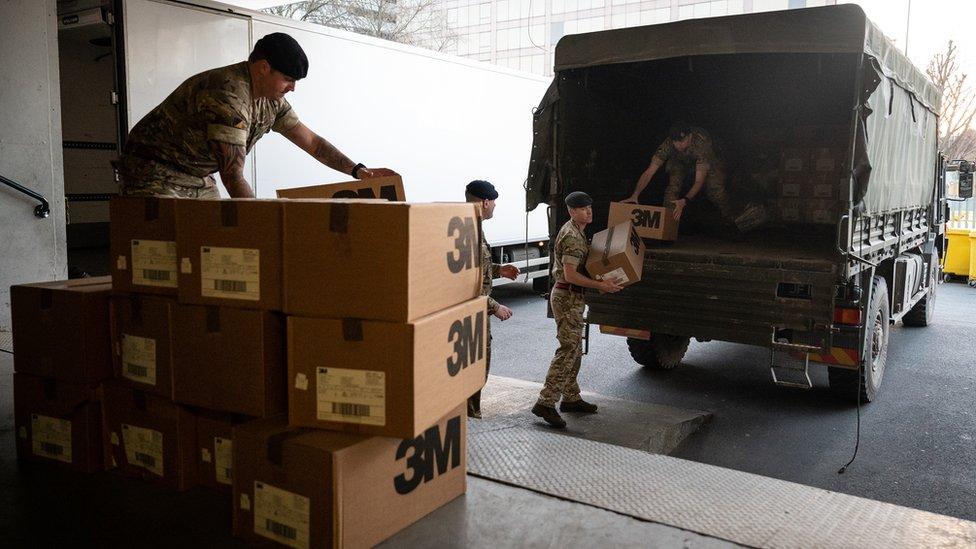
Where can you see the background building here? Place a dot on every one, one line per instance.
(522, 34)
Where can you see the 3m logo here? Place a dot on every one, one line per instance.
(430, 457)
(469, 342)
(464, 255)
(387, 192)
(646, 218)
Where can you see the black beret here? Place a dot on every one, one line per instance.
(482, 189)
(283, 54)
(578, 199)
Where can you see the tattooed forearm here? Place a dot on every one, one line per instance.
(327, 154)
(230, 165)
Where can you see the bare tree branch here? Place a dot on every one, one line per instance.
(415, 22)
(957, 138)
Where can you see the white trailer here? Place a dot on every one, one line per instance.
(438, 120)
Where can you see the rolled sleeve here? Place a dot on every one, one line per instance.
(226, 134)
(663, 153)
(285, 119)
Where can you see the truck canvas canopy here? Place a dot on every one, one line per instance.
(892, 138)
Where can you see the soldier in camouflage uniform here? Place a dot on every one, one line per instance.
(484, 194)
(688, 149)
(213, 119)
(568, 254)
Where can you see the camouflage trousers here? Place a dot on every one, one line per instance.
(154, 179)
(567, 308)
(474, 401)
(714, 187)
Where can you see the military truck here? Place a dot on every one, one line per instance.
(826, 126)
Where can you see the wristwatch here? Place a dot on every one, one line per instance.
(355, 170)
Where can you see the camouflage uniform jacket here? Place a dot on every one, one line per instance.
(490, 271)
(701, 152)
(570, 248)
(171, 142)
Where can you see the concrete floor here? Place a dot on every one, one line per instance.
(918, 441)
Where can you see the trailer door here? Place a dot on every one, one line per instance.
(166, 43)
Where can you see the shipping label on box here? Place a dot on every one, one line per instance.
(828, 160)
(281, 515)
(352, 396)
(796, 160)
(385, 188)
(616, 252)
(143, 245)
(224, 460)
(51, 437)
(233, 273)
(153, 263)
(139, 359)
(649, 221)
(143, 448)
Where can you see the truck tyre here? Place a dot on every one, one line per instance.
(849, 384)
(661, 352)
(923, 312)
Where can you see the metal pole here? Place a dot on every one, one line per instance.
(908, 22)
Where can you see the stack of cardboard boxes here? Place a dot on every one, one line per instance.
(347, 433)
(812, 176)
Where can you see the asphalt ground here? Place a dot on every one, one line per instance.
(918, 439)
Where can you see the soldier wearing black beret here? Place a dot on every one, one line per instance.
(213, 119)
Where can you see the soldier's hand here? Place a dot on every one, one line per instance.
(679, 206)
(368, 173)
(629, 200)
(509, 271)
(610, 286)
(503, 313)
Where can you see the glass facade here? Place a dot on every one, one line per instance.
(522, 34)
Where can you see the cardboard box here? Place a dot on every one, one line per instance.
(61, 329)
(385, 378)
(822, 212)
(229, 360)
(215, 444)
(796, 160)
(148, 436)
(143, 245)
(828, 160)
(390, 261)
(789, 210)
(58, 423)
(616, 252)
(651, 222)
(386, 188)
(323, 489)
(142, 342)
(230, 252)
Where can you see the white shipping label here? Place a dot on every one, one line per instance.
(205, 455)
(617, 273)
(51, 437)
(143, 448)
(121, 264)
(223, 460)
(281, 515)
(154, 263)
(233, 273)
(351, 396)
(139, 359)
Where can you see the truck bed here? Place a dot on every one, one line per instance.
(774, 250)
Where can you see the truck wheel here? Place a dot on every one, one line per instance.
(661, 352)
(923, 312)
(849, 383)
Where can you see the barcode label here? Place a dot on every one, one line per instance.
(52, 449)
(238, 286)
(135, 370)
(280, 529)
(228, 473)
(156, 275)
(147, 460)
(348, 409)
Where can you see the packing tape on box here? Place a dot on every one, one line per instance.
(606, 248)
(339, 218)
(352, 329)
(277, 440)
(152, 208)
(228, 213)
